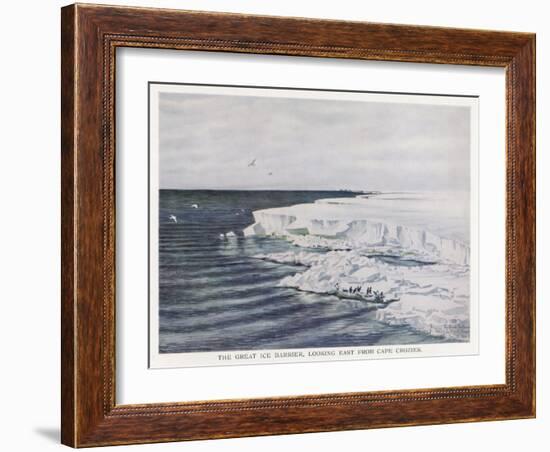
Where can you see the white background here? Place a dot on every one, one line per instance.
(30, 224)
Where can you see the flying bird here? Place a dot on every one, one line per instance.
(252, 163)
(195, 206)
(270, 174)
(173, 218)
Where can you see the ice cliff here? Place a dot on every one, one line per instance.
(399, 222)
(340, 241)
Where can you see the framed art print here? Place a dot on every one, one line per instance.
(279, 225)
(282, 230)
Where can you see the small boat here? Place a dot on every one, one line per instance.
(376, 298)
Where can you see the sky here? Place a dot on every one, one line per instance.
(206, 141)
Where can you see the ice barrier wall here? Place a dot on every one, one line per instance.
(358, 233)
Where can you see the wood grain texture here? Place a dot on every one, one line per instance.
(90, 36)
(68, 310)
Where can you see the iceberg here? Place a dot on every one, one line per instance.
(345, 243)
(430, 226)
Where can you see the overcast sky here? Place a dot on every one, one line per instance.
(207, 141)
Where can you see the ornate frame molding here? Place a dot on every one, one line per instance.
(90, 37)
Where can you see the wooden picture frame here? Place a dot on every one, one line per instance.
(90, 36)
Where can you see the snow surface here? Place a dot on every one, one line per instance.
(421, 228)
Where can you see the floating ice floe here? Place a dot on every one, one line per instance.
(433, 298)
(227, 235)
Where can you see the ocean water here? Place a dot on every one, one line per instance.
(216, 295)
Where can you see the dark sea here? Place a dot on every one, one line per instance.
(214, 296)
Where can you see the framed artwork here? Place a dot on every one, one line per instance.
(281, 225)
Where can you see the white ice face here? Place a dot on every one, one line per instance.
(434, 225)
(423, 228)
